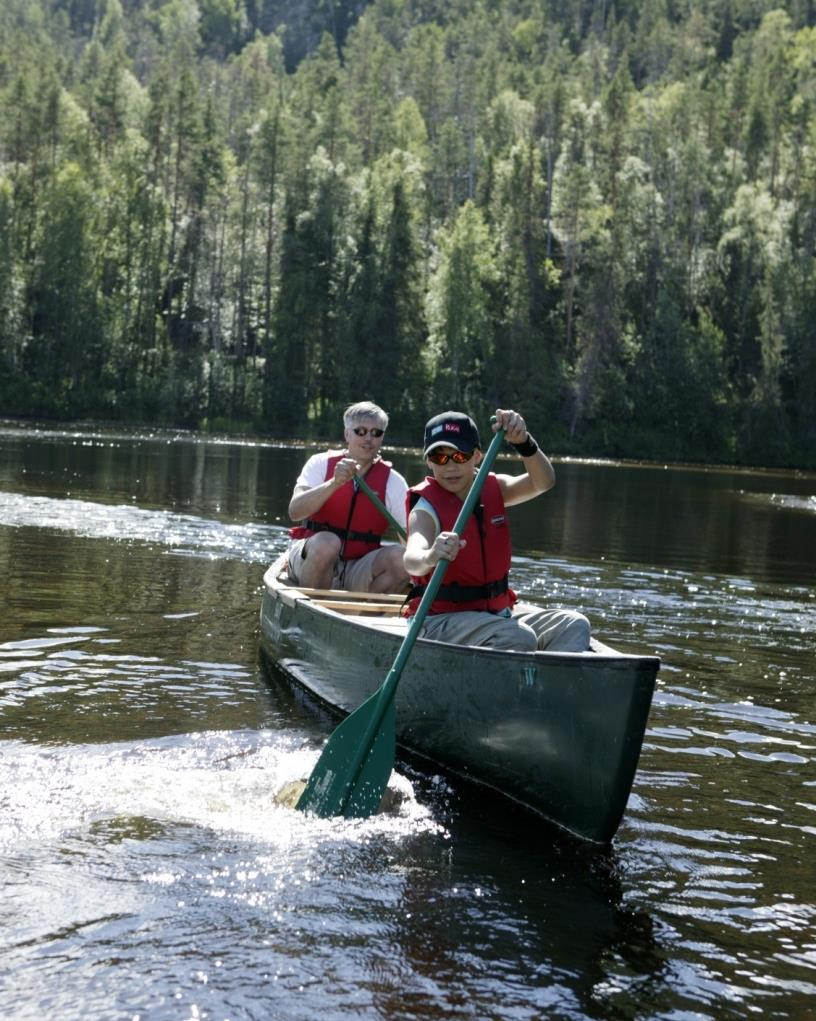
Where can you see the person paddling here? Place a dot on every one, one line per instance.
(336, 542)
(475, 604)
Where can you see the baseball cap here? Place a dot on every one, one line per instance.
(451, 429)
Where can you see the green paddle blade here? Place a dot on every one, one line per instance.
(338, 780)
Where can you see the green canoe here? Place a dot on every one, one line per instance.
(559, 733)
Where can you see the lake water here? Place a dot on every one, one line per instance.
(148, 872)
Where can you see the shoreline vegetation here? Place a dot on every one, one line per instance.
(239, 216)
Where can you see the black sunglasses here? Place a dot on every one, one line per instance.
(363, 430)
(458, 456)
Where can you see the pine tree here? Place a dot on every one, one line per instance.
(459, 311)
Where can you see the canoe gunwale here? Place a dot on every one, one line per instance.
(293, 596)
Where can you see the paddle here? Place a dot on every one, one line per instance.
(369, 492)
(353, 770)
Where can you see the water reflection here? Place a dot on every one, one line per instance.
(177, 471)
(547, 917)
(717, 520)
(147, 870)
(755, 524)
(179, 533)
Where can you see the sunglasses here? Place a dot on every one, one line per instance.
(362, 430)
(458, 457)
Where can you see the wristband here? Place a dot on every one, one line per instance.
(527, 448)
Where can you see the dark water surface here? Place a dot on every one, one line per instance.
(148, 872)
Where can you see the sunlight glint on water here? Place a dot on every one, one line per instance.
(226, 783)
(149, 872)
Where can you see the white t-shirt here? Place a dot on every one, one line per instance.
(314, 474)
(423, 505)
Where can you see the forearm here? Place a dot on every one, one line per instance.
(419, 558)
(538, 477)
(304, 504)
(539, 472)
(421, 555)
(539, 467)
(426, 547)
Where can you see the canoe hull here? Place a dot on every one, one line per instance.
(560, 733)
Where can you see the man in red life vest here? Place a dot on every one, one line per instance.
(336, 543)
(475, 604)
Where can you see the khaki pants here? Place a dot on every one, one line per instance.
(528, 630)
(351, 575)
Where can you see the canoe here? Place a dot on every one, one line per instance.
(560, 733)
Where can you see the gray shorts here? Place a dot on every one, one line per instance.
(351, 575)
(528, 630)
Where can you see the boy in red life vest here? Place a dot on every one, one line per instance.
(475, 604)
(336, 543)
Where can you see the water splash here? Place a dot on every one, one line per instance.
(222, 782)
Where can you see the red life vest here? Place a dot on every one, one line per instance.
(350, 514)
(477, 578)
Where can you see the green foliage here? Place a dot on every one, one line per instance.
(65, 354)
(243, 214)
(460, 320)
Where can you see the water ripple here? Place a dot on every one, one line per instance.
(183, 534)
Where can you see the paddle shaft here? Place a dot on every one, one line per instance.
(369, 492)
(390, 683)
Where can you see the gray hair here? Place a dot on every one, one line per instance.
(356, 413)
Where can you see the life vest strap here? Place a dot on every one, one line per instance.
(344, 533)
(456, 593)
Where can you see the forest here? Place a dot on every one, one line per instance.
(242, 215)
